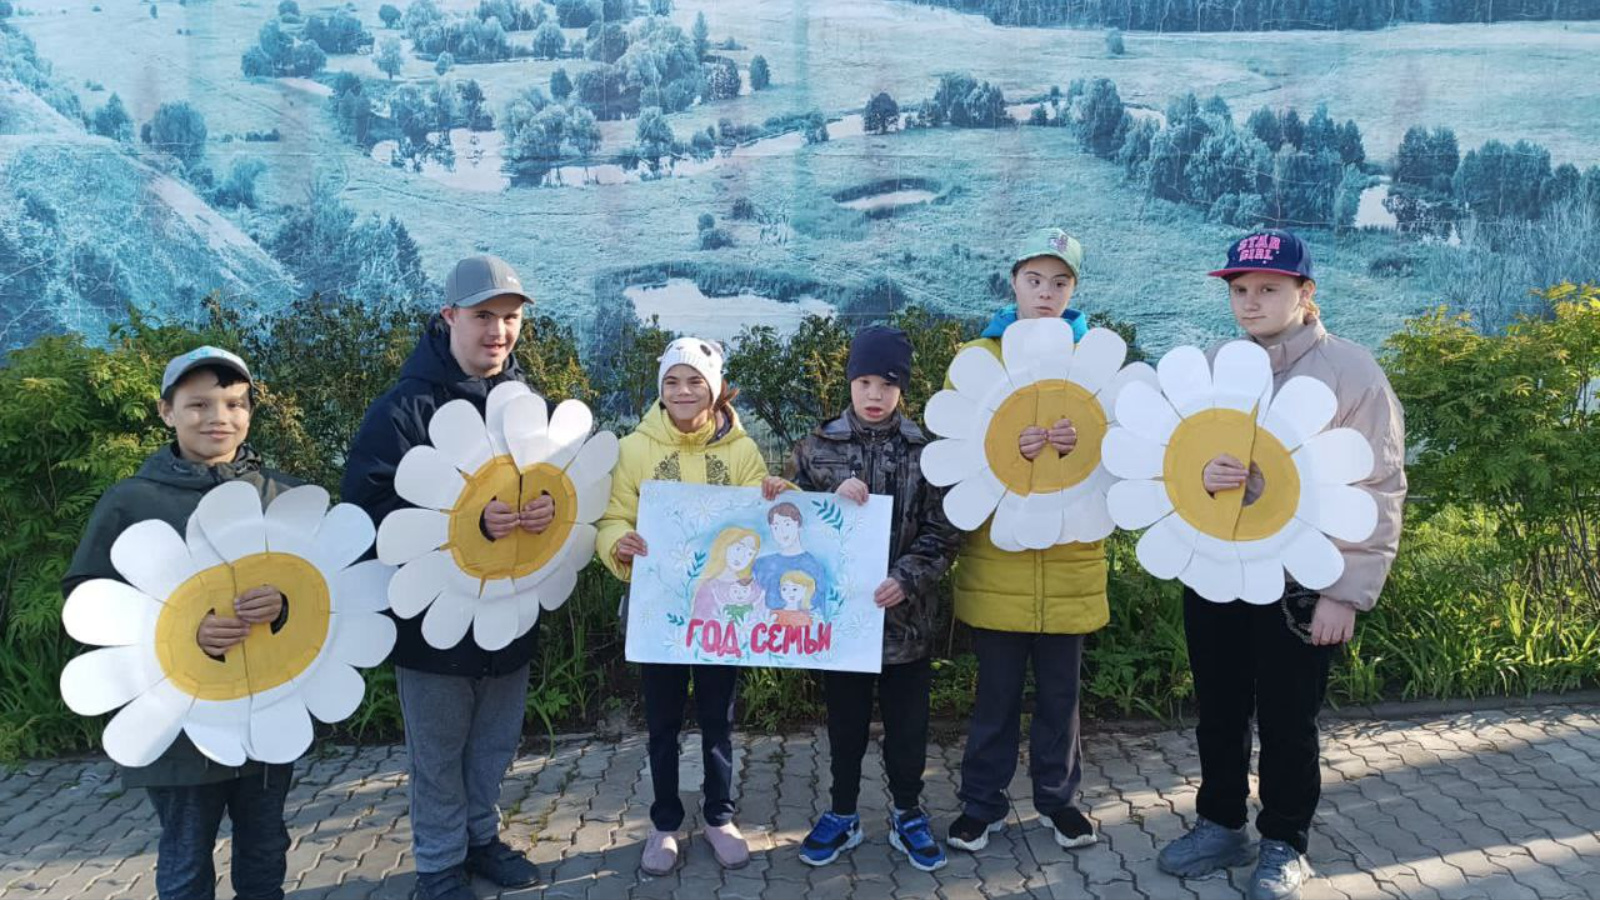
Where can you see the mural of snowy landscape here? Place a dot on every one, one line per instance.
(725, 163)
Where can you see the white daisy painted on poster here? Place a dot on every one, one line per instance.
(516, 452)
(1217, 545)
(1040, 378)
(256, 702)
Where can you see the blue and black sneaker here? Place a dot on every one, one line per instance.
(832, 835)
(912, 835)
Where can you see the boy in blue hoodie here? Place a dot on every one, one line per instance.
(206, 400)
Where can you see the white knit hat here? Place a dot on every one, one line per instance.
(701, 355)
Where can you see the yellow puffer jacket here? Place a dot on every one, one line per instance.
(658, 450)
(1057, 591)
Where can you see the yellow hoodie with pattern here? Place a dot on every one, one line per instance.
(720, 453)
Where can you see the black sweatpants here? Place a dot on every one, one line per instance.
(995, 733)
(1246, 661)
(666, 688)
(902, 692)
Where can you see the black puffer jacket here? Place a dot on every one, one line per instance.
(394, 423)
(922, 542)
(167, 487)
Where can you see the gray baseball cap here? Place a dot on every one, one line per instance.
(182, 364)
(479, 278)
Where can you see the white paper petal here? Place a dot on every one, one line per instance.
(1270, 547)
(292, 518)
(418, 582)
(569, 425)
(145, 728)
(334, 692)
(945, 462)
(1050, 346)
(108, 613)
(1165, 550)
(362, 640)
(951, 414)
(1131, 373)
(976, 373)
(525, 430)
(1241, 376)
(554, 591)
(1263, 581)
(1086, 521)
(427, 477)
(1138, 504)
(346, 534)
(1185, 379)
(201, 553)
(102, 680)
(364, 587)
(494, 623)
(1338, 510)
(592, 500)
(280, 732)
(1038, 521)
(1339, 456)
(595, 459)
(1097, 358)
(1302, 407)
(220, 729)
(1144, 411)
(457, 431)
(1313, 560)
(1007, 523)
(528, 610)
(230, 515)
(494, 414)
(152, 557)
(1215, 571)
(448, 619)
(409, 533)
(1129, 455)
(1016, 345)
(969, 503)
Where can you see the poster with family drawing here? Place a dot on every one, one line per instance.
(732, 579)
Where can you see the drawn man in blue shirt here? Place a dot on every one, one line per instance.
(784, 521)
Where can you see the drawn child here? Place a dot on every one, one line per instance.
(795, 589)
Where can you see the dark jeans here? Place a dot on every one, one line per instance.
(903, 699)
(190, 817)
(666, 688)
(994, 735)
(1247, 662)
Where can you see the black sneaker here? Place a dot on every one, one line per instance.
(1071, 828)
(972, 834)
(502, 865)
(451, 884)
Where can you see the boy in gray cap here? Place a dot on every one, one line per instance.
(463, 707)
(206, 401)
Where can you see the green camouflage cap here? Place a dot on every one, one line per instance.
(1050, 242)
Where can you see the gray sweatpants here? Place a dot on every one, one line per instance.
(461, 735)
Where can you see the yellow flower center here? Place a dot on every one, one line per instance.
(1043, 404)
(520, 553)
(1208, 434)
(265, 659)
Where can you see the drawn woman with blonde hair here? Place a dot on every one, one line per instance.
(727, 580)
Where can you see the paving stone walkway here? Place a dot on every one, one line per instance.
(1498, 804)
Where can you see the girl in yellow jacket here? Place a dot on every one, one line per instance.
(1029, 606)
(1271, 662)
(692, 434)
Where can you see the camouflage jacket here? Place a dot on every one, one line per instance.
(922, 542)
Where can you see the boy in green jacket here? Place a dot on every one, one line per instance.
(206, 400)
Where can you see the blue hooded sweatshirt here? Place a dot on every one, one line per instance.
(1002, 320)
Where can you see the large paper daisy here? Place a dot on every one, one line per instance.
(515, 454)
(1041, 377)
(1222, 548)
(256, 701)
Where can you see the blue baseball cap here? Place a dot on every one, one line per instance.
(1273, 250)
